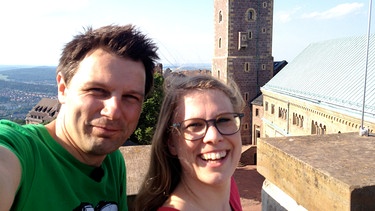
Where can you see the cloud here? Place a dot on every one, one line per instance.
(338, 11)
(286, 16)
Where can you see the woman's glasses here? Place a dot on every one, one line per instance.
(196, 128)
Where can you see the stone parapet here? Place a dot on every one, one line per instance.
(321, 172)
(137, 159)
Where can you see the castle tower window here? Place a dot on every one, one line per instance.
(250, 15)
(249, 35)
(246, 97)
(242, 40)
(247, 67)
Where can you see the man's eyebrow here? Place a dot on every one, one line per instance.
(104, 85)
(135, 92)
(93, 83)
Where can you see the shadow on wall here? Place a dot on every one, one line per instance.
(249, 156)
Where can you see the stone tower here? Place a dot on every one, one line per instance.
(243, 49)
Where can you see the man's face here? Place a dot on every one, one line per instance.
(102, 103)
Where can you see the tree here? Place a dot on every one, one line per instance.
(150, 112)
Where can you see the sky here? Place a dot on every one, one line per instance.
(33, 32)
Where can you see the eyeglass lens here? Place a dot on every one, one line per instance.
(226, 124)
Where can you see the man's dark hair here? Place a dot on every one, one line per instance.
(123, 41)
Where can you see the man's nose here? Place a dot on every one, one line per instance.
(112, 108)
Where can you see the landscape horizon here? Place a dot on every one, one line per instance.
(23, 86)
(185, 66)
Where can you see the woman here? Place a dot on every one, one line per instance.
(195, 148)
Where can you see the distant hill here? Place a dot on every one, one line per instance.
(10, 67)
(35, 75)
(190, 66)
(47, 74)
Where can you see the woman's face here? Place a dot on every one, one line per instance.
(213, 158)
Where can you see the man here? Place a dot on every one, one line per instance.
(73, 163)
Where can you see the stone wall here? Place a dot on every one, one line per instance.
(321, 172)
(137, 159)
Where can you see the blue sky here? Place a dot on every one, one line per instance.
(33, 32)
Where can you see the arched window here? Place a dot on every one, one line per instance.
(250, 15)
(220, 17)
(314, 127)
(219, 42)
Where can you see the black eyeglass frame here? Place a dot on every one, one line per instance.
(178, 125)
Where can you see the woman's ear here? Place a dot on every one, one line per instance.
(172, 147)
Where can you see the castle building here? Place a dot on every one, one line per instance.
(317, 135)
(44, 112)
(243, 49)
(322, 91)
